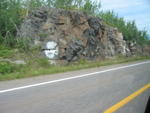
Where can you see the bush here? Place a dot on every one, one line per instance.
(6, 67)
(6, 52)
(43, 62)
(129, 29)
(23, 44)
(39, 63)
(82, 61)
(9, 20)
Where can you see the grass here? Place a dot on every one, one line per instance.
(41, 67)
(6, 52)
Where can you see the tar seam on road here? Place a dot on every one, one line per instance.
(127, 99)
(70, 78)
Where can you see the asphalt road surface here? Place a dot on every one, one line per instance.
(85, 91)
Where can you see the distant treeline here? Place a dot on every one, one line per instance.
(129, 29)
(12, 13)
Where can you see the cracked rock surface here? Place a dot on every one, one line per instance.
(76, 34)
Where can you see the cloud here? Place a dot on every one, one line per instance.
(118, 4)
(137, 10)
(142, 20)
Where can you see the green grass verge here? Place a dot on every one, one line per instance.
(30, 71)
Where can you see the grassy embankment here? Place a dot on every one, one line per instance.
(39, 66)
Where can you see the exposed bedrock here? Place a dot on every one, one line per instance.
(72, 35)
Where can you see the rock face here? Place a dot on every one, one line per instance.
(72, 35)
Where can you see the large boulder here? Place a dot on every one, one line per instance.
(71, 35)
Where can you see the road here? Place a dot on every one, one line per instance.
(85, 91)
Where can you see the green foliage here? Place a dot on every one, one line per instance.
(10, 40)
(14, 11)
(27, 71)
(30, 5)
(43, 62)
(6, 67)
(23, 44)
(129, 29)
(88, 6)
(91, 7)
(82, 61)
(39, 63)
(6, 52)
(65, 4)
(1, 38)
(9, 19)
(36, 48)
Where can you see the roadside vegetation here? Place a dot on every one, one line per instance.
(13, 12)
(42, 67)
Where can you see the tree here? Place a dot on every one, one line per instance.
(129, 29)
(9, 19)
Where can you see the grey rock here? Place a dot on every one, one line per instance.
(78, 35)
(95, 23)
(74, 51)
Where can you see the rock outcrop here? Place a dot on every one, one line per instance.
(72, 35)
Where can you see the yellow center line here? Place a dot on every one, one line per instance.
(126, 100)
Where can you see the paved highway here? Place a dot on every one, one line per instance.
(86, 91)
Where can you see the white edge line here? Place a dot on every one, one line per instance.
(69, 78)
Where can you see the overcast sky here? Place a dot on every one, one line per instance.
(138, 10)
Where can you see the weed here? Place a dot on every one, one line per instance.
(41, 66)
(6, 52)
(6, 67)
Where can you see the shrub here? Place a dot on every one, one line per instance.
(43, 62)
(23, 44)
(39, 63)
(6, 52)
(129, 29)
(6, 67)
(82, 61)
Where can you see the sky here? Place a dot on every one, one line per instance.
(138, 10)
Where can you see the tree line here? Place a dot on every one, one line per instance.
(128, 28)
(13, 12)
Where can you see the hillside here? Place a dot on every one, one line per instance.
(71, 35)
(44, 40)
